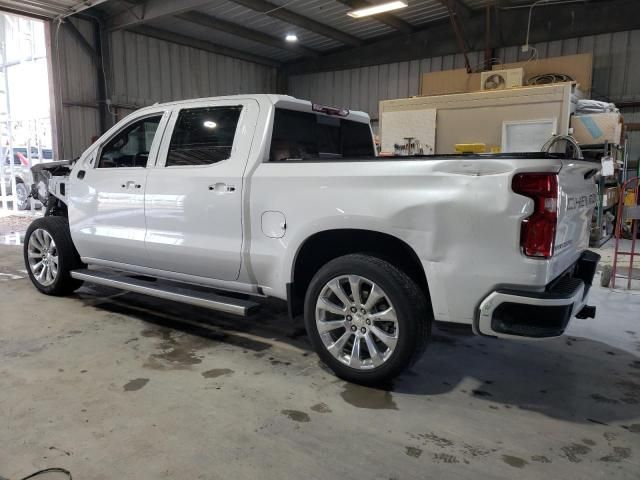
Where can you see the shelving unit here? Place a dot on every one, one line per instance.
(601, 231)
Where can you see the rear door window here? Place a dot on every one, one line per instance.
(308, 136)
(203, 136)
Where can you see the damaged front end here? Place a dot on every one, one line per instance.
(49, 186)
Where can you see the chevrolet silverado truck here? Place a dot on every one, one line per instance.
(269, 196)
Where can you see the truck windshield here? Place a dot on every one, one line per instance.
(310, 136)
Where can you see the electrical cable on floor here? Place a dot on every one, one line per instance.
(49, 470)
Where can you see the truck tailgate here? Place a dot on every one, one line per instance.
(576, 201)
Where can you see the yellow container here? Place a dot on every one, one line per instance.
(470, 148)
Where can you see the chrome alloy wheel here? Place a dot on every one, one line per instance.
(356, 322)
(43, 257)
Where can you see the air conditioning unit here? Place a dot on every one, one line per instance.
(501, 79)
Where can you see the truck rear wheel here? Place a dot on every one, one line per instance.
(366, 319)
(49, 256)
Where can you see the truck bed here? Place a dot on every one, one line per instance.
(446, 156)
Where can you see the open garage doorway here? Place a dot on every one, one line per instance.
(25, 113)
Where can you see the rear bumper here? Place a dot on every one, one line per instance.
(510, 312)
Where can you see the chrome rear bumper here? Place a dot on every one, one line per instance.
(510, 312)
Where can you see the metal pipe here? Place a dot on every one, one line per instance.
(551, 3)
(453, 17)
(546, 3)
(78, 7)
(487, 38)
(535, 4)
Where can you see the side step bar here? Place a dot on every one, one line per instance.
(173, 292)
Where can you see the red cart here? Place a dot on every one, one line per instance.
(626, 213)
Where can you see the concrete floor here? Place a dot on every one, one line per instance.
(115, 386)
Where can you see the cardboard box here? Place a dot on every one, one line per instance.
(449, 81)
(609, 196)
(578, 67)
(597, 128)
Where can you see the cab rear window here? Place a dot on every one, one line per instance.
(299, 136)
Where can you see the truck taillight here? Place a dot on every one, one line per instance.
(538, 231)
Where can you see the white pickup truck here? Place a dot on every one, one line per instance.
(270, 196)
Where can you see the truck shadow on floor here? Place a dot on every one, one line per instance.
(569, 378)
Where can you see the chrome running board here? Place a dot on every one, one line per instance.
(213, 301)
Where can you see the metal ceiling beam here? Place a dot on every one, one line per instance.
(457, 29)
(244, 32)
(457, 6)
(81, 6)
(33, 6)
(135, 15)
(201, 44)
(293, 18)
(386, 18)
(38, 15)
(84, 43)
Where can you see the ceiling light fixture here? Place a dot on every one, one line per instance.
(210, 124)
(375, 9)
(291, 37)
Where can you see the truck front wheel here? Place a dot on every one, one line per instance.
(49, 256)
(366, 319)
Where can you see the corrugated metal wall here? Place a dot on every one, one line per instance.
(77, 86)
(144, 71)
(147, 70)
(616, 69)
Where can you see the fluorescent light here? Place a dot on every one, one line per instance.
(375, 9)
(210, 124)
(291, 37)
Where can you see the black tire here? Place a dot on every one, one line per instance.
(413, 314)
(68, 258)
(22, 191)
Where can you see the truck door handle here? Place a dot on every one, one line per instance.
(131, 184)
(222, 188)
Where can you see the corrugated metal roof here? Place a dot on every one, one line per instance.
(421, 12)
(48, 8)
(477, 4)
(200, 32)
(235, 13)
(332, 13)
(481, 4)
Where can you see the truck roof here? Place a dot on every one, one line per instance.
(284, 101)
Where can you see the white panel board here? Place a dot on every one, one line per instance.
(527, 135)
(396, 126)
